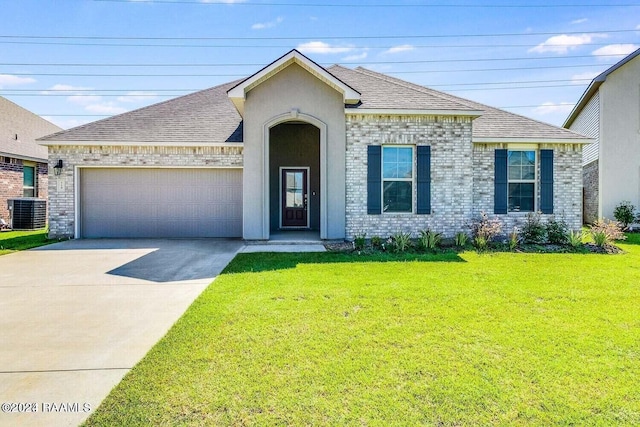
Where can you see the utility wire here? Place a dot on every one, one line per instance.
(344, 37)
(424, 61)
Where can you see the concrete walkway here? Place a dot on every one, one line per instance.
(76, 316)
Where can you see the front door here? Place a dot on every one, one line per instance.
(294, 198)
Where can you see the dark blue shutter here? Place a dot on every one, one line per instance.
(374, 180)
(546, 181)
(500, 193)
(424, 179)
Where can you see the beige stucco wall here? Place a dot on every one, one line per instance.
(620, 138)
(62, 205)
(271, 102)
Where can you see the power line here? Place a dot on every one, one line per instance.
(380, 5)
(238, 75)
(424, 61)
(344, 37)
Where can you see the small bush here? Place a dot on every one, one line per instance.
(484, 230)
(533, 231)
(604, 232)
(429, 240)
(461, 238)
(401, 242)
(557, 231)
(376, 242)
(574, 238)
(359, 241)
(624, 213)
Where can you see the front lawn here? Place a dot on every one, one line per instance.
(453, 339)
(12, 241)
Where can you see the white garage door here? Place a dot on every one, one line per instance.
(123, 202)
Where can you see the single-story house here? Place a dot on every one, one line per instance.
(297, 146)
(23, 162)
(609, 113)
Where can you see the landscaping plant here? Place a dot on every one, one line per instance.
(461, 238)
(376, 243)
(605, 232)
(359, 241)
(533, 230)
(557, 231)
(429, 239)
(624, 213)
(574, 238)
(484, 230)
(513, 239)
(401, 241)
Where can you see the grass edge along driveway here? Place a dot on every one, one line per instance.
(14, 241)
(331, 339)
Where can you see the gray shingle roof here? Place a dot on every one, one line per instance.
(15, 120)
(208, 116)
(493, 123)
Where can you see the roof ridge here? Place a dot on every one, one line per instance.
(137, 110)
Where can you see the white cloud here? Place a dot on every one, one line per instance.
(137, 96)
(9, 80)
(579, 21)
(105, 108)
(398, 49)
(265, 25)
(322, 48)
(223, 1)
(84, 99)
(356, 57)
(67, 123)
(553, 108)
(563, 43)
(57, 88)
(615, 49)
(583, 78)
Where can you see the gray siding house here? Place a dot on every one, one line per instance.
(23, 162)
(609, 113)
(297, 146)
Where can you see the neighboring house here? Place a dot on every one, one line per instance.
(609, 113)
(297, 146)
(23, 162)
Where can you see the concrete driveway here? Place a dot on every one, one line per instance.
(76, 316)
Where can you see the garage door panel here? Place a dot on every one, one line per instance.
(137, 202)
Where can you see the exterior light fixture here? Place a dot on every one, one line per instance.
(57, 169)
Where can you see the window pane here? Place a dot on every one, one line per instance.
(29, 175)
(390, 154)
(515, 158)
(405, 155)
(515, 172)
(397, 162)
(397, 196)
(390, 170)
(521, 197)
(405, 170)
(528, 172)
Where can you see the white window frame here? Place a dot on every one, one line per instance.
(533, 181)
(411, 180)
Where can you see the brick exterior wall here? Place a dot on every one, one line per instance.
(11, 182)
(567, 184)
(451, 172)
(590, 176)
(61, 188)
(462, 176)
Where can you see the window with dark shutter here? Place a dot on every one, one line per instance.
(500, 194)
(424, 179)
(546, 181)
(374, 180)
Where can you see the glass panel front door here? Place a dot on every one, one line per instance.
(294, 198)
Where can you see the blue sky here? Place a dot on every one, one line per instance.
(76, 61)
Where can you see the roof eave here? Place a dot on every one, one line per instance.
(530, 140)
(412, 112)
(142, 143)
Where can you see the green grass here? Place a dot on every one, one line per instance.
(453, 339)
(13, 241)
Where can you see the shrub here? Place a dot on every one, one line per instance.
(533, 231)
(604, 232)
(624, 213)
(461, 238)
(574, 238)
(557, 231)
(401, 242)
(376, 242)
(429, 239)
(484, 230)
(359, 241)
